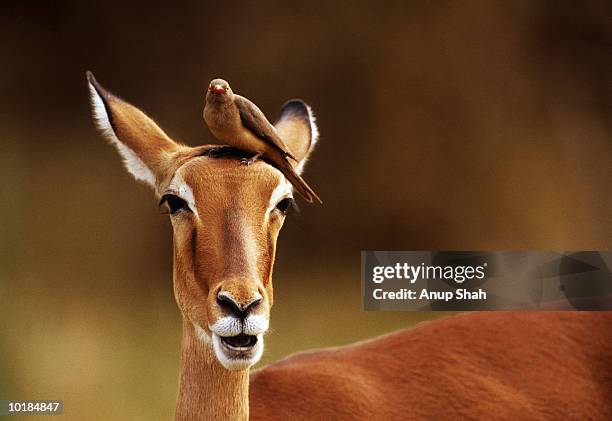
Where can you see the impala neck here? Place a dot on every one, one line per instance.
(207, 390)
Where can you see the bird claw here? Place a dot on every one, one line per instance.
(251, 160)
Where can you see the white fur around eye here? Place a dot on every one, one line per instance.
(183, 190)
(131, 161)
(280, 192)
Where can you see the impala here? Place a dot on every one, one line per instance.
(226, 218)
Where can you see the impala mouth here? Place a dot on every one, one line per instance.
(238, 352)
(240, 343)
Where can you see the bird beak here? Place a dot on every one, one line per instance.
(217, 89)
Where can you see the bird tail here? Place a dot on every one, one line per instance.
(298, 182)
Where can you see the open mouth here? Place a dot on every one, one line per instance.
(238, 352)
(240, 342)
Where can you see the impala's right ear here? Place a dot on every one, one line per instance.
(144, 147)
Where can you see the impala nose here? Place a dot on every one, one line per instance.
(241, 310)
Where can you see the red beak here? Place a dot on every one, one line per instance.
(217, 89)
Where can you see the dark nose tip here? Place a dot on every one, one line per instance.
(227, 303)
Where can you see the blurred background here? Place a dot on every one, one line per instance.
(444, 125)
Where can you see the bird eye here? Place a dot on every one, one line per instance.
(175, 203)
(284, 205)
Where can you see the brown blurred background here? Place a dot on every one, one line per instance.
(444, 125)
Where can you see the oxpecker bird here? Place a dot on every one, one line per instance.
(238, 122)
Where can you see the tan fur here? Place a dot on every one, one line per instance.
(227, 244)
(207, 391)
(478, 366)
(230, 212)
(221, 259)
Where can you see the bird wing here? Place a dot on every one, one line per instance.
(254, 119)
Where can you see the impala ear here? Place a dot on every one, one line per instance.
(297, 127)
(144, 147)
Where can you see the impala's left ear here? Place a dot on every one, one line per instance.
(297, 127)
(144, 147)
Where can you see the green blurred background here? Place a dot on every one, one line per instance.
(444, 125)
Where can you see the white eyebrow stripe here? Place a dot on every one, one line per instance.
(180, 186)
(283, 189)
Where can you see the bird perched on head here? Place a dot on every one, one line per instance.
(239, 123)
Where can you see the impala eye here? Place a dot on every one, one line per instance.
(175, 203)
(284, 205)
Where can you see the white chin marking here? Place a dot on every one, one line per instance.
(132, 162)
(241, 361)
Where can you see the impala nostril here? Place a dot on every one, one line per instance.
(252, 305)
(227, 303)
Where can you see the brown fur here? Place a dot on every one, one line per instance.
(207, 391)
(505, 366)
(219, 259)
(476, 366)
(227, 242)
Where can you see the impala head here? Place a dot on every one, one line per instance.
(226, 218)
